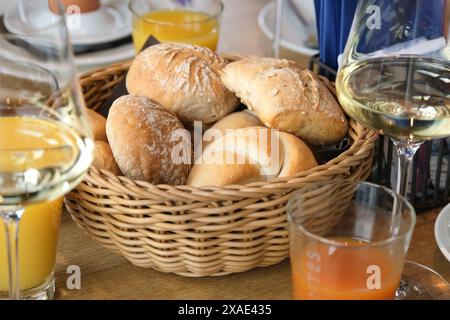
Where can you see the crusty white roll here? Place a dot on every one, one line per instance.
(183, 78)
(249, 155)
(98, 125)
(288, 98)
(143, 136)
(104, 158)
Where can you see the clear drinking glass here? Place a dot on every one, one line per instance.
(349, 240)
(394, 76)
(37, 244)
(188, 21)
(45, 141)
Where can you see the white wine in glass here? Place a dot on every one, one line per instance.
(394, 76)
(412, 96)
(45, 141)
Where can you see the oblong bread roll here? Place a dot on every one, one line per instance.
(288, 98)
(144, 136)
(183, 78)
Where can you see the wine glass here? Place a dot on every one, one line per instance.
(45, 142)
(278, 28)
(394, 75)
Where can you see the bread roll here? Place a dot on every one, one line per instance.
(98, 125)
(287, 98)
(236, 120)
(209, 133)
(184, 79)
(250, 155)
(104, 158)
(143, 135)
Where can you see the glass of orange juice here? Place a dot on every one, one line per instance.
(46, 144)
(348, 241)
(187, 21)
(38, 238)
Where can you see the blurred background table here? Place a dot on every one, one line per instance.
(108, 276)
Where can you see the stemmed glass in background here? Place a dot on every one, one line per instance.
(394, 76)
(276, 45)
(45, 141)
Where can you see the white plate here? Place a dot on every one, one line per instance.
(442, 231)
(294, 34)
(96, 59)
(83, 62)
(111, 22)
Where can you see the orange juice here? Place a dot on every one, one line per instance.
(38, 235)
(177, 26)
(323, 271)
(33, 143)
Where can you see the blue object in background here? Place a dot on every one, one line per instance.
(334, 21)
(413, 20)
(335, 18)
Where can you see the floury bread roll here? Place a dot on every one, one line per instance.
(250, 155)
(184, 79)
(143, 136)
(104, 158)
(287, 98)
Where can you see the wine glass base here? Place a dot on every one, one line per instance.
(422, 283)
(45, 291)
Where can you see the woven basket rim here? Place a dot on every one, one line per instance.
(363, 137)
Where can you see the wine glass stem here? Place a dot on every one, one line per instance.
(405, 152)
(278, 26)
(11, 221)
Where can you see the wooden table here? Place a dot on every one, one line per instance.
(108, 276)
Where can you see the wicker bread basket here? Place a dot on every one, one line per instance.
(198, 231)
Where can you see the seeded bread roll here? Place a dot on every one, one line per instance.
(184, 79)
(143, 136)
(287, 98)
(104, 158)
(258, 154)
